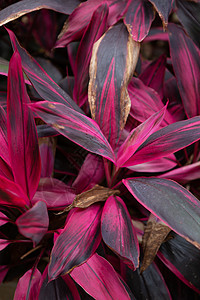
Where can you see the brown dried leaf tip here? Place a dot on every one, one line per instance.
(154, 235)
(96, 194)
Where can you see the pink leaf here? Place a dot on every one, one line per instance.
(34, 223)
(3, 219)
(54, 193)
(4, 244)
(118, 232)
(27, 287)
(137, 137)
(11, 194)
(91, 173)
(99, 279)
(22, 133)
(77, 242)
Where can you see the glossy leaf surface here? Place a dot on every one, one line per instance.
(75, 126)
(107, 91)
(22, 133)
(34, 223)
(118, 232)
(186, 64)
(171, 202)
(99, 279)
(77, 242)
(138, 18)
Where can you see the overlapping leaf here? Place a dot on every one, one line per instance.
(55, 193)
(4, 153)
(93, 32)
(75, 126)
(163, 8)
(91, 173)
(27, 287)
(138, 135)
(118, 232)
(99, 279)
(172, 203)
(138, 18)
(153, 75)
(186, 64)
(189, 14)
(80, 18)
(23, 7)
(107, 91)
(60, 288)
(34, 223)
(77, 242)
(41, 81)
(22, 133)
(182, 258)
(166, 141)
(11, 194)
(145, 285)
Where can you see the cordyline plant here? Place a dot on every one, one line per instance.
(99, 167)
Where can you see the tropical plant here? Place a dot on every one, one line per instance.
(99, 156)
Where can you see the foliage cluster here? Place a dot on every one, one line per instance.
(99, 156)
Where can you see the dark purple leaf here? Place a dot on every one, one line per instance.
(55, 193)
(186, 64)
(76, 23)
(189, 15)
(23, 7)
(77, 242)
(47, 146)
(99, 279)
(11, 194)
(170, 202)
(148, 285)
(107, 92)
(27, 287)
(41, 81)
(22, 133)
(138, 18)
(163, 8)
(118, 232)
(182, 258)
(137, 137)
(153, 75)
(60, 288)
(34, 223)
(166, 141)
(75, 126)
(93, 32)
